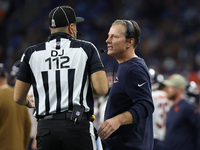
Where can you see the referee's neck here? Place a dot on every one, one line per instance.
(61, 29)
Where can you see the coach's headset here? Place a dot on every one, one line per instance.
(130, 29)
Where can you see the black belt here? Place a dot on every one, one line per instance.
(62, 116)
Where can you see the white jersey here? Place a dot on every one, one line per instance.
(161, 104)
(59, 71)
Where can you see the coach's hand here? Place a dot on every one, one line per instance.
(112, 124)
(108, 127)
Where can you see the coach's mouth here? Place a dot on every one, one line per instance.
(110, 47)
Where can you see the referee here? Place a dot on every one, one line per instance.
(65, 73)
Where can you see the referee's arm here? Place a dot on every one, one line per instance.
(99, 83)
(20, 93)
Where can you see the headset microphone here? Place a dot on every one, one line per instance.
(103, 51)
(79, 33)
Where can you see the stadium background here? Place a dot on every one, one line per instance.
(170, 30)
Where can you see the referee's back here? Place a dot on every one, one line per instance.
(60, 71)
(63, 71)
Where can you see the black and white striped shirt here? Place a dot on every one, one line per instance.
(59, 71)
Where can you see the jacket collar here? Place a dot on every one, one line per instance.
(59, 35)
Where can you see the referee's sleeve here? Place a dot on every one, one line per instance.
(95, 61)
(24, 73)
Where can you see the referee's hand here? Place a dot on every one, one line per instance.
(108, 127)
(31, 103)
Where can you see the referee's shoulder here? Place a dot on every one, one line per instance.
(36, 47)
(77, 43)
(39, 46)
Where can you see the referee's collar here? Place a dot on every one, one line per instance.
(60, 35)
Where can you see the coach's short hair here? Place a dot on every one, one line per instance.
(137, 30)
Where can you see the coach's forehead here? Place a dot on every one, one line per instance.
(117, 30)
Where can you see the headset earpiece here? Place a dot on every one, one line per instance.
(130, 29)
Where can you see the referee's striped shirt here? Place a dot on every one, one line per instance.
(59, 71)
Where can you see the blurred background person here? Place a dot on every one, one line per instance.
(13, 73)
(15, 124)
(13, 77)
(161, 105)
(183, 118)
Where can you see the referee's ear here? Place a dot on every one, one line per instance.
(71, 29)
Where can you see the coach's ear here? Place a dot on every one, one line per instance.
(130, 42)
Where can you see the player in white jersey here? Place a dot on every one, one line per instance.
(161, 105)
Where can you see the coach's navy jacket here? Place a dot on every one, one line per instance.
(131, 91)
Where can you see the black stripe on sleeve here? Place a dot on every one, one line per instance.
(71, 86)
(46, 88)
(58, 91)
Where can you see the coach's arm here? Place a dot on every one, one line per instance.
(99, 83)
(20, 93)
